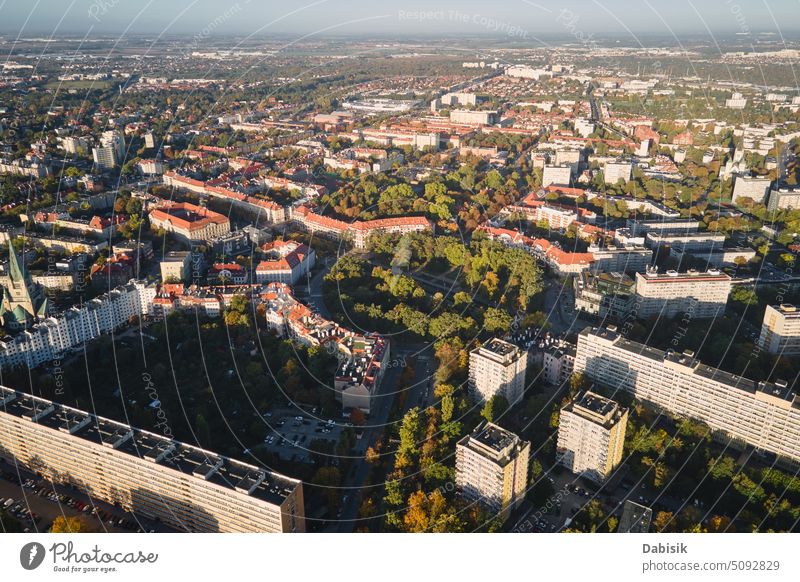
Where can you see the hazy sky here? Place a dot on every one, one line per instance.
(510, 18)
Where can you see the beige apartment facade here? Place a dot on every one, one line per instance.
(591, 436)
(492, 468)
(187, 488)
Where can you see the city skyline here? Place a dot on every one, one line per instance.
(518, 20)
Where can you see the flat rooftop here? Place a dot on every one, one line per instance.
(499, 347)
(777, 389)
(494, 437)
(595, 403)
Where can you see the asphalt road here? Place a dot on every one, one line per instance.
(419, 393)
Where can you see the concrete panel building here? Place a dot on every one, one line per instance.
(591, 436)
(700, 295)
(783, 199)
(616, 171)
(187, 488)
(492, 468)
(764, 415)
(754, 188)
(780, 330)
(497, 368)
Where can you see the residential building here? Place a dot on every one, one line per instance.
(717, 258)
(558, 175)
(75, 145)
(604, 295)
(497, 368)
(492, 468)
(176, 266)
(738, 411)
(361, 371)
(591, 436)
(185, 487)
(662, 226)
(472, 117)
(104, 158)
(55, 335)
(151, 167)
(752, 187)
(362, 357)
(115, 140)
(616, 171)
(34, 167)
(558, 361)
(686, 241)
(783, 199)
(736, 101)
(780, 330)
(449, 100)
(623, 259)
(691, 294)
(111, 151)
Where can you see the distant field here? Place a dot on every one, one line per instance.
(67, 85)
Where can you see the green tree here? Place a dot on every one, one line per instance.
(495, 320)
(494, 408)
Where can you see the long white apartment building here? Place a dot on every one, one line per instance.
(187, 488)
(497, 368)
(663, 225)
(492, 468)
(685, 241)
(623, 259)
(472, 117)
(780, 330)
(764, 415)
(52, 337)
(591, 436)
(698, 295)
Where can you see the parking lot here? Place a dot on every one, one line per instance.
(291, 434)
(36, 503)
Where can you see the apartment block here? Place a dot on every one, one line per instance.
(605, 295)
(764, 415)
(783, 199)
(557, 363)
(698, 295)
(187, 488)
(497, 368)
(176, 266)
(56, 335)
(471, 117)
(662, 226)
(686, 241)
(189, 221)
(780, 330)
(622, 259)
(616, 171)
(591, 436)
(754, 188)
(492, 468)
(559, 175)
